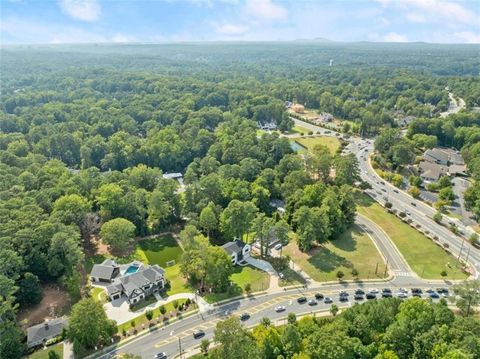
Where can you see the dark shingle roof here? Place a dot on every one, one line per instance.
(234, 246)
(46, 330)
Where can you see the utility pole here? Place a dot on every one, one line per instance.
(386, 267)
(461, 249)
(180, 347)
(376, 268)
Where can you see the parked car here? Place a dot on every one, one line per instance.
(312, 302)
(278, 247)
(301, 300)
(318, 296)
(281, 275)
(280, 308)
(328, 300)
(198, 334)
(244, 317)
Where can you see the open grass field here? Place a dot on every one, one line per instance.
(259, 281)
(332, 143)
(99, 294)
(353, 249)
(43, 353)
(424, 257)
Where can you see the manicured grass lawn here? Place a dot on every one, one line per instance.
(43, 354)
(300, 129)
(99, 294)
(259, 281)
(158, 250)
(178, 284)
(424, 257)
(332, 143)
(291, 277)
(353, 249)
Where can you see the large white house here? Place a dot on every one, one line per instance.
(238, 250)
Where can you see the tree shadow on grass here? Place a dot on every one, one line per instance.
(326, 261)
(363, 200)
(346, 241)
(157, 244)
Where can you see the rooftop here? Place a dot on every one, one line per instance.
(46, 330)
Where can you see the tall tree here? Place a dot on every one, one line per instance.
(236, 219)
(118, 233)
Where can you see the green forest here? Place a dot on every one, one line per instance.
(87, 131)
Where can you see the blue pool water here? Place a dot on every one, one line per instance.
(296, 146)
(131, 270)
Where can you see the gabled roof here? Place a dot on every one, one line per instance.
(235, 246)
(141, 278)
(46, 330)
(431, 170)
(102, 271)
(438, 154)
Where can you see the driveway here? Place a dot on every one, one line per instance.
(261, 264)
(119, 310)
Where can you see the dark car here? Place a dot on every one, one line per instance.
(161, 355)
(198, 334)
(442, 290)
(416, 290)
(312, 302)
(386, 295)
(343, 298)
(359, 291)
(413, 204)
(318, 296)
(244, 316)
(358, 297)
(371, 296)
(417, 294)
(301, 300)
(434, 295)
(386, 290)
(343, 294)
(328, 300)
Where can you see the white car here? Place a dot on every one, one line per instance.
(373, 290)
(278, 247)
(280, 308)
(402, 295)
(403, 290)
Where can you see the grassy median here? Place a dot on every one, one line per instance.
(425, 258)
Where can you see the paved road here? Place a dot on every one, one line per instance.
(168, 338)
(418, 211)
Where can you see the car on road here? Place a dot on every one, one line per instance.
(278, 247)
(386, 290)
(360, 291)
(402, 295)
(198, 334)
(301, 300)
(358, 297)
(403, 290)
(373, 290)
(413, 204)
(371, 296)
(161, 355)
(387, 295)
(280, 308)
(312, 302)
(384, 190)
(281, 275)
(395, 190)
(343, 293)
(442, 290)
(244, 317)
(343, 299)
(328, 300)
(416, 290)
(318, 296)
(434, 295)
(430, 290)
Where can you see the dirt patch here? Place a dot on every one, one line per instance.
(55, 302)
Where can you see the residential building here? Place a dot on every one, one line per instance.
(457, 170)
(41, 333)
(105, 272)
(238, 250)
(443, 156)
(135, 280)
(431, 172)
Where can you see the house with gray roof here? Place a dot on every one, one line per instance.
(41, 333)
(431, 172)
(238, 250)
(443, 156)
(105, 272)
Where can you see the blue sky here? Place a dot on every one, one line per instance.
(80, 21)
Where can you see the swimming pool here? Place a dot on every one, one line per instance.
(131, 269)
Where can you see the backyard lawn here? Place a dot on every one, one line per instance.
(259, 281)
(332, 143)
(43, 353)
(424, 257)
(354, 249)
(99, 294)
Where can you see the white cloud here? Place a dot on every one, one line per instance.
(265, 9)
(468, 37)
(394, 37)
(86, 10)
(416, 18)
(122, 38)
(230, 29)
